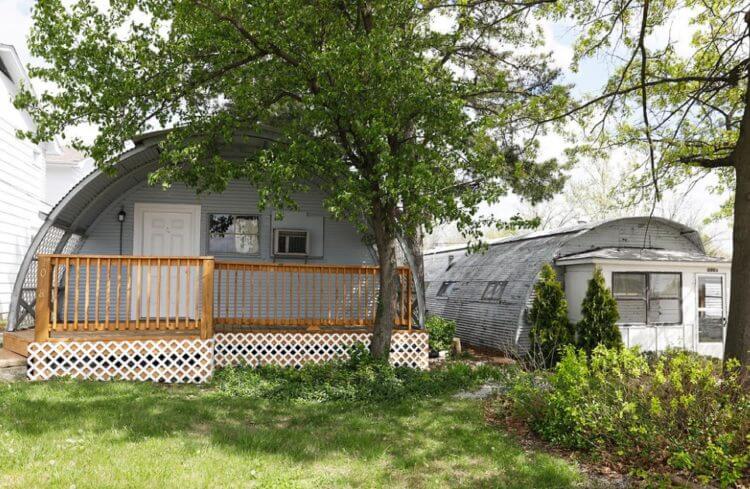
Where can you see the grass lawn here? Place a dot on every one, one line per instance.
(117, 434)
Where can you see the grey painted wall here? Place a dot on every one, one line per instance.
(330, 241)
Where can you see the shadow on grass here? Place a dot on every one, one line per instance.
(415, 438)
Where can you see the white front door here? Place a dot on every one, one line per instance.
(711, 320)
(166, 230)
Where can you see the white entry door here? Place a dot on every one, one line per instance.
(166, 230)
(711, 320)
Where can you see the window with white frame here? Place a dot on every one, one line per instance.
(290, 242)
(232, 233)
(648, 297)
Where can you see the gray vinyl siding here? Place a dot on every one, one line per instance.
(331, 241)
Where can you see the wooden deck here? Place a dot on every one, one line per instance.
(142, 296)
(18, 341)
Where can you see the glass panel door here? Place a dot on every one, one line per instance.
(711, 314)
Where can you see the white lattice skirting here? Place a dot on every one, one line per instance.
(295, 349)
(171, 361)
(193, 360)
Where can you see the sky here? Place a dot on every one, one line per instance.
(698, 204)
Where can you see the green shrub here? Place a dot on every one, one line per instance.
(550, 328)
(441, 332)
(361, 378)
(598, 326)
(680, 411)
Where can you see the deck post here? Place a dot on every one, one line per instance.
(207, 310)
(43, 289)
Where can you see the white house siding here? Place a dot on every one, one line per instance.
(22, 175)
(576, 282)
(647, 337)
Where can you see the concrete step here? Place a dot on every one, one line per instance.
(11, 359)
(12, 366)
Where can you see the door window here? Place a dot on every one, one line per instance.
(710, 309)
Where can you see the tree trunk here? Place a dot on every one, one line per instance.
(385, 316)
(413, 250)
(738, 327)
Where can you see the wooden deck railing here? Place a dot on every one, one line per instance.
(123, 293)
(80, 293)
(268, 294)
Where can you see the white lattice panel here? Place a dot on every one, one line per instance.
(171, 361)
(295, 349)
(410, 350)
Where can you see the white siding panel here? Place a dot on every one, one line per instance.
(21, 198)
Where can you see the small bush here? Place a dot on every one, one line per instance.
(550, 328)
(598, 326)
(441, 332)
(679, 411)
(361, 378)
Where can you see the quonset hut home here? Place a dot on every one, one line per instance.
(669, 292)
(126, 280)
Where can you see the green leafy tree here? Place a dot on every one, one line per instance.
(550, 328)
(598, 325)
(400, 123)
(686, 112)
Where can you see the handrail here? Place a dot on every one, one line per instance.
(269, 294)
(144, 293)
(121, 293)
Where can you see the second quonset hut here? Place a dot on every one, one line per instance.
(670, 292)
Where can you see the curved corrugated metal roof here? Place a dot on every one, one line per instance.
(77, 209)
(516, 262)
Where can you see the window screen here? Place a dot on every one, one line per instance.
(230, 233)
(648, 298)
(494, 291)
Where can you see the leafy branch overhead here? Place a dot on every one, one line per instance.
(683, 106)
(371, 102)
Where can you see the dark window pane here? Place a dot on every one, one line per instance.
(298, 243)
(710, 329)
(665, 285)
(220, 223)
(632, 311)
(494, 291)
(664, 311)
(446, 289)
(629, 284)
